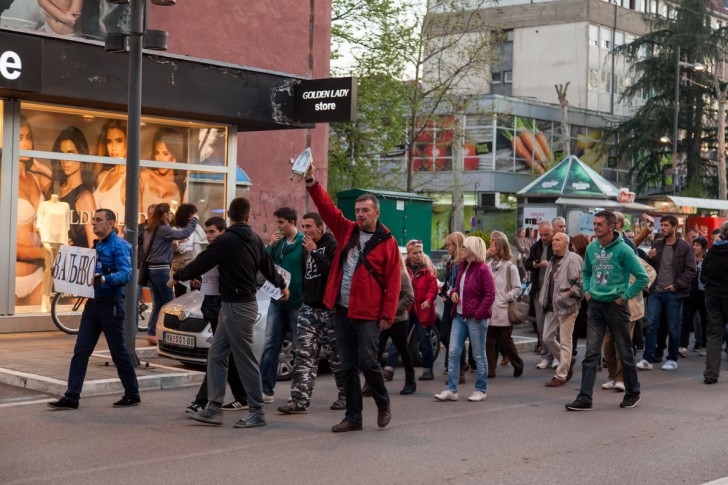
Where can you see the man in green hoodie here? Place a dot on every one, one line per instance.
(286, 249)
(608, 265)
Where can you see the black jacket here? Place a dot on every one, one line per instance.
(316, 270)
(240, 254)
(533, 256)
(683, 265)
(715, 271)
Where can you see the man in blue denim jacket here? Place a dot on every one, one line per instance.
(104, 313)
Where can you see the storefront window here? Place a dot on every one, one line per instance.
(72, 162)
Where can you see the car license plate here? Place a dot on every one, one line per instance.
(181, 340)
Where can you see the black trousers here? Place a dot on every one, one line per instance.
(398, 333)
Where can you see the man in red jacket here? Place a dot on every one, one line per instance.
(362, 289)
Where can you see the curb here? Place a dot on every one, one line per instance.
(172, 379)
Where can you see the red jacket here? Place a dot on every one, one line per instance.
(367, 300)
(478, 291)
(425, 285)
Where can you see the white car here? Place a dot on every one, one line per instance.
(184, 334)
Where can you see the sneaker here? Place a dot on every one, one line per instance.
(696, 348)
(212, 414)
(291, 408)
(194, 408)
(268, 398)
(477, 396)
(338, 405)
(619, 386)
(703, 352)
(447, 395)
(555, 364)
(127, 402)
(669, 365)
(63, 404)
(683, 351)
(388, 375)
(609, 385)
(235, 406)
(578, 405)
(426, 376)
(544, 364)
(630, 401)
(643, 365)
(252, 420)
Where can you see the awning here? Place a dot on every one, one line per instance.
(605, 203)
(696, 202)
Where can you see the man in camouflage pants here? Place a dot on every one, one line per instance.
(315, 329)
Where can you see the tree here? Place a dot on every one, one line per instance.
(653, 59)
(436, 53)
(565, 127)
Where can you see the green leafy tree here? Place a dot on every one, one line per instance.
(653, 57)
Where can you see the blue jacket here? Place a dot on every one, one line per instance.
(113, 260)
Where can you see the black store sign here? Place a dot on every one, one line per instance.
(326, 100)
(21, 59)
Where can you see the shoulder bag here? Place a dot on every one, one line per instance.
(143, 278)
(515, 315)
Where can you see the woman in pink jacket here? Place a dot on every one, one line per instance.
(473, 296)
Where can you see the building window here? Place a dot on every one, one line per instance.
(594, 35)
(593, 81)
(495, 77)
(606, 39)
(507, 77)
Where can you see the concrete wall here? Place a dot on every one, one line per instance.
(289, 36)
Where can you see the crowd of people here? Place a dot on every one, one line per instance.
(349, 290)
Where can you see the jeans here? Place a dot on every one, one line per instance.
(98, 316)
(691, 306)
(358, 341)
(657, 303)
(234, 336)
(461, 329)
(423, 341)
(603, 315)
(280, 321)
(160, 295)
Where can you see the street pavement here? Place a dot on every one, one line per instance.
(520, 435)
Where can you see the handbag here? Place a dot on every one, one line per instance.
(143, 277)
(515, 314)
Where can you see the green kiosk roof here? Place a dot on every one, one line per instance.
(571, 178)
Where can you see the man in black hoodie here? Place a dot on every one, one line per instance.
(315, 321)
(715, 278)
(239, 255)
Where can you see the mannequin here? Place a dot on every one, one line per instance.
(53, 222)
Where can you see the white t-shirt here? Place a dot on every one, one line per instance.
(461, 289)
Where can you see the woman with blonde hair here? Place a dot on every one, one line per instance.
(453, 244)
(507, 289)
(473, 295)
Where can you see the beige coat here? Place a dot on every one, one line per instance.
(637, 304)
(568, 277)
(501, 272)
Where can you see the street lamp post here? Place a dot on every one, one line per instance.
(132, 42)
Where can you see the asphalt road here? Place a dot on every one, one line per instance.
(521, 434)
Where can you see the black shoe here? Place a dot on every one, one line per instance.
(195, 407)
(518, 371)
(126, 402)
(366, 391)
(427, 376)
(63, 404)
(409, 388)
(707, 380)
(579, 405)
(630, 401)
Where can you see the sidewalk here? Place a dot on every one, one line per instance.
(40, 361)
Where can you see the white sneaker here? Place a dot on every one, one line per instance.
(609, 385)
(683, 351)
(644, 365)
(544, 364)
(703, 352)
(554, 364)
(619, 386)
(669, 365)
(477, 396)
(447, 395)
(268, 398)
